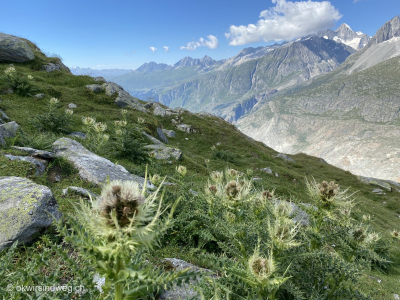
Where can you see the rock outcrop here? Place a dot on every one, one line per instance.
(123, 99)
(14, 49)
(8, 130)
(92, 167)
(25, 209)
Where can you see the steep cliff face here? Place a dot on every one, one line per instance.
(350, 117)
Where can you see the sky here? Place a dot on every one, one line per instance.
(124, 34)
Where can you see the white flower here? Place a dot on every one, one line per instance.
(30, 77)
(99, 281)
(88, 120)
(54, 101)
(100, 127)
(10, 70)
(69, 112)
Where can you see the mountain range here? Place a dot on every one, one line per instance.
(333, 94)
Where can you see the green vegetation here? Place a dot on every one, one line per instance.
(239, 228)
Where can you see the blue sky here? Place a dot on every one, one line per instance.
(118, 34)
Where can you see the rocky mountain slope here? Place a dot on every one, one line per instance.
(349, 117)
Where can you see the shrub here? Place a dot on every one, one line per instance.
(19, 84)
(54, 120)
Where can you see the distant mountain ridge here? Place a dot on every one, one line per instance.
(350, 117)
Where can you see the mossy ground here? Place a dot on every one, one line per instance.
(244, 152)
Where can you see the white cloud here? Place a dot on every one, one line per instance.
(166, 49)
(211, 42)
(153, 49)
(285, 21)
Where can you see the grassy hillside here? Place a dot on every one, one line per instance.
(214, 146)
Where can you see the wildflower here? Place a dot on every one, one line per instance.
(207, 161)
(120, 123)
(10, 70)
(118, 132)
(181, 170)
(267, 195)
(282, 209)
(283, 232)
(30, 77)
(152, 154)
(232, 189)
(105, 138)
(358, 234)
(122, 199)
(100, 127)
(261, 268)
(124, 112)
(231, 173)
(140, 120)
(216, 176)
(54, 101)
(213, 147)
(155, 179)
(395, 234)
(366, 218)
(88, 121)
(69, 112)
(328, 190)
(99, 281)
(213, 189)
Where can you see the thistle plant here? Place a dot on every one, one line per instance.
(96, 138)
(115, 232)
(21, 85)
(54, 120)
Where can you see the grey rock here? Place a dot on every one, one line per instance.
(35, 152)
(375, 182)
(169, 112)
(256, 178)
(378, 191)
(276, 174)
(267, 170)
(123, 99)
(323, 161)
(72, 105)
(193, 192)
(396, 297)
(162, 136)
(39, 96)
(169, 133)
(8, 130)
(153, 139)
(25, 209)
(14, 49)
(173, 121)
(81, 191)
(149, 105)
(186, 291)
(163, 152)
(204, 114)
(39, 164)
(180, 110)
(3, 117)
(78, 134)
(91, 167)
(96, 88)
(50, 67)
(184, 127)
(159, 111)
(286, 157)
(99, 79)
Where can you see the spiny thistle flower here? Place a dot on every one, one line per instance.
(358, 234)
(181, 170)
(282, 209)
(124, 198)
(30, 77)
(88, 121)
(69, 111)
(283, 232)
(213, 147)
(217, 176)
(328, 190)
(232, 189)
(261, 268)
(120, 123)
(118, 132)
(231, 173)
(267, 195)
(395, 234)
(328, 195)
(213, 189)
(54, 101)
(10, 70)
(155, 179)
(230, 217)
(152, 154)
(124, 112)
(372, 237)
(100, 127)
(140, 120)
